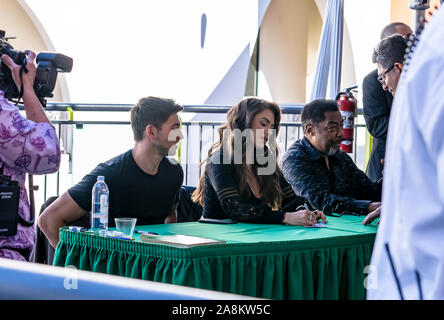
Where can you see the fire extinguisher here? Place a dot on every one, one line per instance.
(347, 105)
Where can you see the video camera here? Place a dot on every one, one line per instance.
(48, 65)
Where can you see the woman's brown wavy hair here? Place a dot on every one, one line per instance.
(241, 117)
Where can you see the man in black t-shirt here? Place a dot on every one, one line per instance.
(143, 182)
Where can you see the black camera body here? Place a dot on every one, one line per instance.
(48, 66)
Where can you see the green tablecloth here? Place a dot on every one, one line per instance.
(269, 261)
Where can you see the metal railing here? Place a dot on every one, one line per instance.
(193, 148)
(21, 280)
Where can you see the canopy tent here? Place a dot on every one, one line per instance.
(329, 59)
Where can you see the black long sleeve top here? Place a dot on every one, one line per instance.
(222, 198)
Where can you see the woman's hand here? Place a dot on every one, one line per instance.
(27, 77)
(304, 217)
(32, 105)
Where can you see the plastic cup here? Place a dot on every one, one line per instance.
(125, 225)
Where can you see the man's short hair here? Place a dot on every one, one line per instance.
(314, 112)
(391, 29)
(390, 50)
(151, 111)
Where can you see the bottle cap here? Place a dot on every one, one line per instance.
(100, 178)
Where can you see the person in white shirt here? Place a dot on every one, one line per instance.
(408, 259)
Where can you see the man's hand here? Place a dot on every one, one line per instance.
(172, 217)
(27, 77)
(372, 216)
(373, 206)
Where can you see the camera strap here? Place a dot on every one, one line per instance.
(31, 188)
(13, 186)
(22, 68)
(9, 204)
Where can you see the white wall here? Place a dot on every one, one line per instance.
(365, 20)
(124, 50)
(17, 22)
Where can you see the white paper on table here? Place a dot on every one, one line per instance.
(318, 225)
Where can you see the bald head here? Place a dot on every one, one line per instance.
(396, 28)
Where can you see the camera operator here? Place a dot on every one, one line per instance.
(27, 145)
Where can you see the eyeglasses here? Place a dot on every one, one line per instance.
(382, 76)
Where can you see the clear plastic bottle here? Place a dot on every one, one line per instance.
(100, 202)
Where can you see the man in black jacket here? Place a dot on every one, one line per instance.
(318, 170)
(377, 104)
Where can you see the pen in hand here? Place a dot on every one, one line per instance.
(307, 208)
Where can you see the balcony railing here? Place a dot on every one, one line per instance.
(90, 139)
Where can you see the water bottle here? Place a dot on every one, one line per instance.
(100, 201)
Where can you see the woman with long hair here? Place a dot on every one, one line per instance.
(241, 179)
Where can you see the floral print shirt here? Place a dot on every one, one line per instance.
(25, 147)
